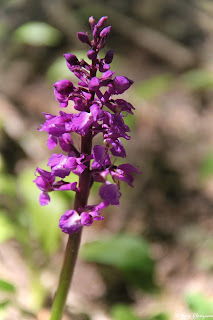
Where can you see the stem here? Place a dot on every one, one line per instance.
(73, 243)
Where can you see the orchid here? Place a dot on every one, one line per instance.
(97, 111)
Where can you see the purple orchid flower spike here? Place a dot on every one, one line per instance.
(98, 112)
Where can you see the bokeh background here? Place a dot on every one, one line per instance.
(152, 258)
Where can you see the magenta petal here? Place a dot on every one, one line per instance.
(51, 142)
(121, 84)
(70, 222)
(44, 198)
(105, 32)
(64, 87)
(86, 219)
(83, 37)
(110, 193)
(82, 122)
(94, 84)
(68, 186)
(128, 168)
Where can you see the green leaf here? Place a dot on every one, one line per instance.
(198, 79)
(128, 253)
(154, 86)
(37, 34)
(122, 312)
(7, 229)
(7, 286)
(199, 303)
(206, 168)
(4, 304)
(160, 316)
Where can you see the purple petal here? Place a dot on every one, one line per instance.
(86, 219)
(101, 23)
(51, 142)
(109, 56)
(91, 54)
(44, 198)
(105, 32)
(61, 186)
(71, 60)
(120, 84)
(43, 184)
(96, 111)
(94, 84)
(128, 168)
(70, 222)
(64, 87)
(110, 193)
(107, 75)
(83, 37)
(65, 142)
(81, 122)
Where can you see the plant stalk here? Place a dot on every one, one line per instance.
(73, 243)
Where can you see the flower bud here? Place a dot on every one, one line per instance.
(92, 22)
(71, 59)
(109, 56)
(64, 87)
(105, 32)
(91, 54)
(83, 37)
(101, 23)
(94, 84)
(121, 84)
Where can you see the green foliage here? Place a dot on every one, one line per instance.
(199, 303)
(122, 312)
(160, 316)
(37, 34)
(4, 304)
(154, 86)
(7, 228)
(206, 169)
(128, 253)
(7, 184)
(198, 79)
(7, 286)
(8, 289)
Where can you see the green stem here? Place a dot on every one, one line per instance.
(66, 276)
(73, 243)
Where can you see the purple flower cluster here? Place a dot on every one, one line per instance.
(97, 112)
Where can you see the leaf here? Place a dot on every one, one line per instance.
(122, 312)
(7, 229)
(198, 79)
(37, 34)
(206, 168)
(4, 304)
(160, 316)
(154, 86)
(128, 253)
(199, 303)
(7, 286)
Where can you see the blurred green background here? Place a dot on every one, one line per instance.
(151, 258)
